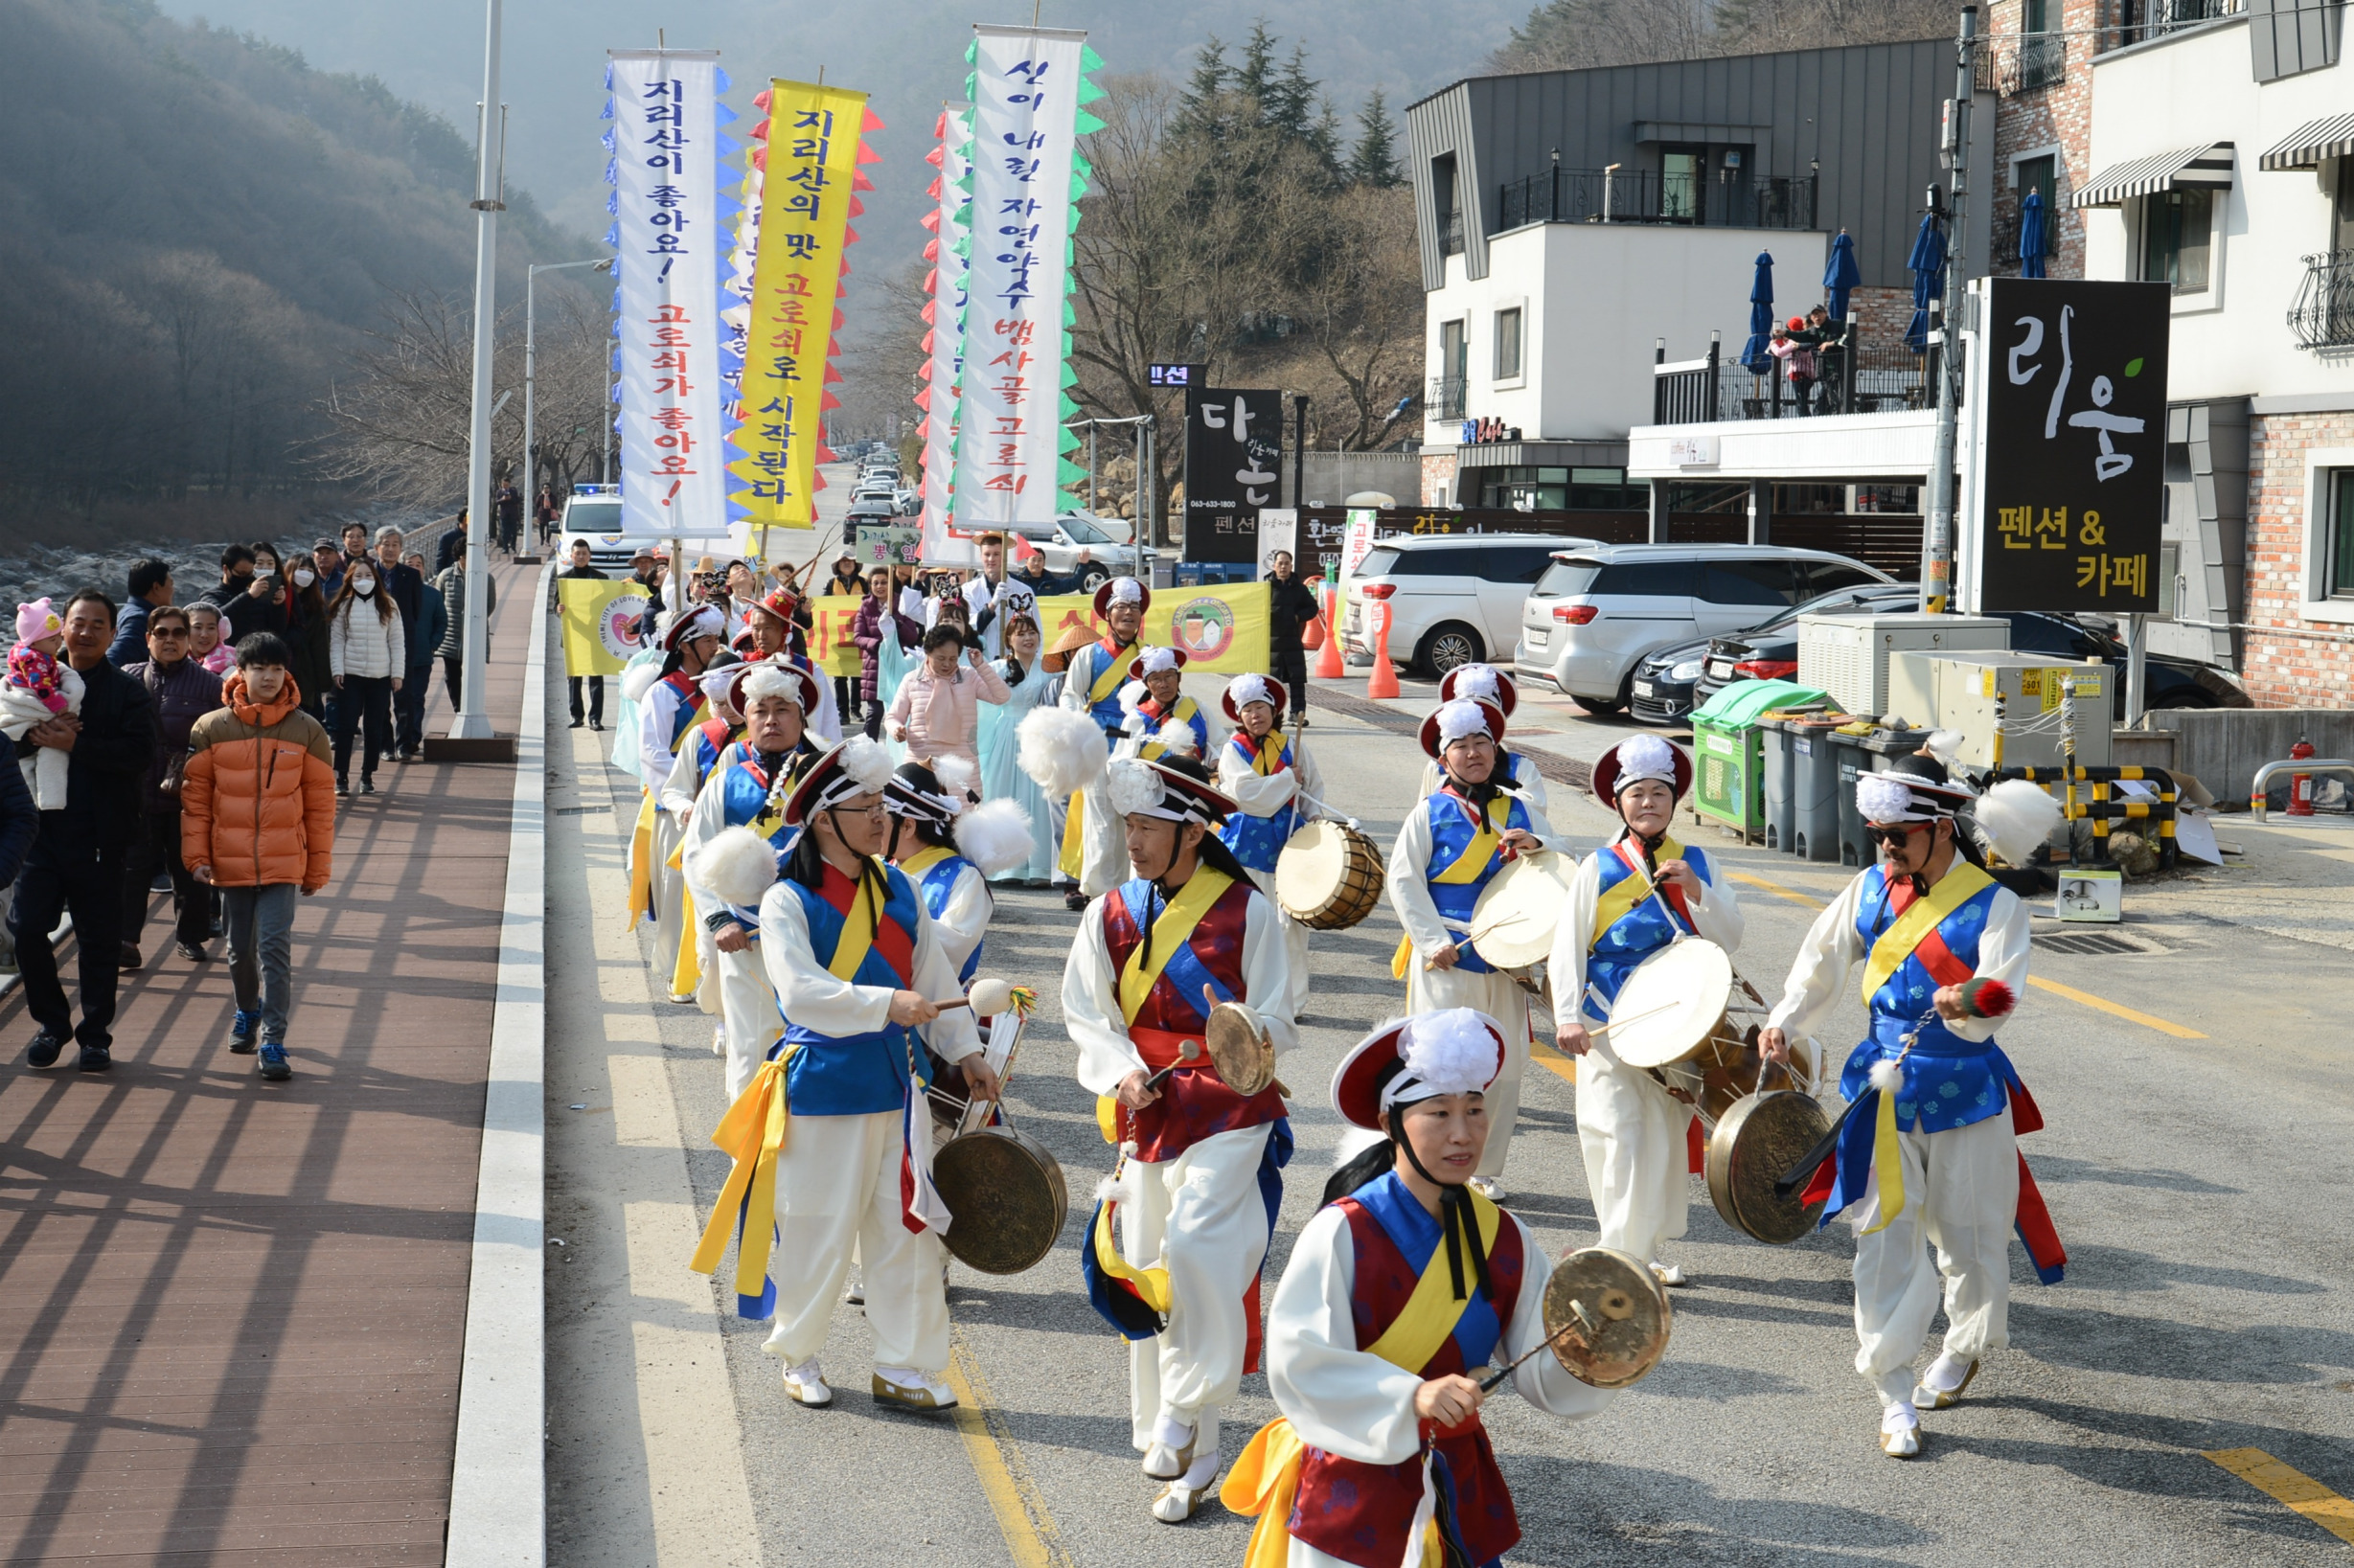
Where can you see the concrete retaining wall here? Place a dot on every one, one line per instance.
(2223, 747)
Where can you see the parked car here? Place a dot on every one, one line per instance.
(1453, 598)
(1595, 612)
(1062, 540)
(1118, 529)
(1671, 682)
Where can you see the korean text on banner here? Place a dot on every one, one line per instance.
(669, 233)
(1029, 89)
(830, 648)
(1223, 630)
(816, 141)
(601, 621)
(950, 254)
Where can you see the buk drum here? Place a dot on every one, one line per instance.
(1006, 1198)
(1518, 910)
(1329, 876)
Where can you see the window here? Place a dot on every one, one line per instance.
(1683, 184)
(1516, 563)
(1443, 203)
(2342, 230)
(1770, 582)
(2040, 175)
(1564, 577)
(1508, 345)
(1823, 576)
(1377, 563)
(1650, 579)
(2340, 579)
(1447, 389)
(2175, 233)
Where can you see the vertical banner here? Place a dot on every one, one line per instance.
(814, 142)
(1233, 467)
(669, 233)
(944, 343)
(1029, 89)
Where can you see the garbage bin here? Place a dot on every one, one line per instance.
(1773, 769)
(1815, 788)
(1728, 784)
(1868, 752)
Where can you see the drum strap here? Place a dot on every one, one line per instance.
(1915, 928)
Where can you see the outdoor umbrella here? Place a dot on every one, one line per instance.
(1840, 276)
(1928, 264)
(2031, 235)
(1761, 317)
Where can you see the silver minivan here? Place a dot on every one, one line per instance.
(1597, 612)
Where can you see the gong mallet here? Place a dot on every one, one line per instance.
(1580, 1319)
(1980, 998)
(991, 996)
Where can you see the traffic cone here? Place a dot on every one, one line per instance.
(1383, 681)
(1328, 657)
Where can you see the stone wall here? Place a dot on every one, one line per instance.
(2030, 118)
(1438, 476)
(2301, 664)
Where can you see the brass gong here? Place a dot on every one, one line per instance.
(1607, 1317)
(1005, 1195)
(1762, 1136)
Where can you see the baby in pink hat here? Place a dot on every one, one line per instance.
(35, 689)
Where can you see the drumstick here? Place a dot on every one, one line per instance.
(1582, 1320)
(1649, 1012)
(1187, 1051)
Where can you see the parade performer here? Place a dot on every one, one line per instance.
(668, 707)
(1091, 682)
(1639, 1141)
(1928, 1154)
(1485, 683)
(1448, 849)
(1198, 1188)
(691, 971)
(734, 838)
(772, 633)
(1155, 699)
(832, 1138)
(1399, 1292)
(1274, 784)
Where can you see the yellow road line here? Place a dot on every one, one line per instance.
(2097, 1003)
(1012, 1492)
(1562, 1067)
(2293, 1489)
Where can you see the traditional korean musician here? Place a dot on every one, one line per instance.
(1397, 1295)
(1155, 700)
(1274, 785)
(770, 633)
(1485, 683)
(1091, 684)
(1448, 849)
(834, 1122)
(692, 972)
(1927, 1152)
(669, 706)
(1630, 898)
(1199, 1184)
(735, 838)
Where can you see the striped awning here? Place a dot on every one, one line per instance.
(2207, 166)
(2330, 138)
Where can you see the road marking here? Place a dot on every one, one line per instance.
(1562, 1066)
(2293, 1489)
(2086, 998)
(1013, 1493)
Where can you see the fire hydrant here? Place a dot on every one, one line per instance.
(2300, 785)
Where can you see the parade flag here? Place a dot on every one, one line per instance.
(944, 341)
(601, 621)
(1223, 630)
(669, 236)
(814, 142)
(1029, 91)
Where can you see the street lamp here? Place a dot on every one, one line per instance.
(474, 719)
(531, 305)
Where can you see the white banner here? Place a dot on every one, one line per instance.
(944, 545)
(1027, 87)
(673, 250)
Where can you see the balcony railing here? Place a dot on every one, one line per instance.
(1622, 195)
(1445, 397)
(2039, 59)
(2137, 21)
(2323, 314)
(1714, 387)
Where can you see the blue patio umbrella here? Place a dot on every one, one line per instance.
(1761, 317)
(1928, 264)
(1840, 275)
(2031, 235)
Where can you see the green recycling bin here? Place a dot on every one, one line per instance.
(1727, 784)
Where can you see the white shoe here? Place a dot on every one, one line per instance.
(912, 1389)
(1487, 1187)
(1182, 1498)
(718, 1039)
(1900, 1431)
(1172, 1451)
(805, 1384)
(686, 999)
(1941, 1386)
(1670, 1274)
(855, 1292)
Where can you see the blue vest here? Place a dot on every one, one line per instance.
(939, 882)
(859, 1073)
(1085, 667)
(1258, 841)
(1948, 1082)
(1450, 834)
(1635, 935)
(1189, 711)
(684, 714)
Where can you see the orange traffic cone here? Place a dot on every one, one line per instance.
(1328, 657)
(1383, 681)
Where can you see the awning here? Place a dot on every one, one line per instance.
(2313, 142)
(2208, 166)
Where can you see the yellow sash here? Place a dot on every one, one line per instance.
(687, 968)
(1152, 1284)
(696, 715)
(753, 1132)
(922, 860)
(1073, 856)
(1430, 1314)
(1627, 891)
(1183, 713)
(1265, 759)
(1108, 680)
(850, 951)
(1466, 867)
(641, 861)
(1176, 922)
(1961, 881)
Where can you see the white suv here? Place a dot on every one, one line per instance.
(1453, 598)
(1597, 612)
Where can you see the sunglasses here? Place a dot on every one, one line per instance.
(1896, 836)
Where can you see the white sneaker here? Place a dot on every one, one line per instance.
(855, 1292)
(1487, 1187)
(805, 1384)
(1172, 1451)
(1942, 1384)
(1900, 1431)
(683, 999)
(1182, 1498)
(1669, 1274)
(912, 1389)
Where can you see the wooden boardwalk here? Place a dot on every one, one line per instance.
(232, 1313)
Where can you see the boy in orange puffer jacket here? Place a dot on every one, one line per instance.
(258, 822)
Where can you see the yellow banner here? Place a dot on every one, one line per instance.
(600, 620)
(805, 201)
(830, 648)
(1223, 630)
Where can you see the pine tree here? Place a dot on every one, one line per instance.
(1290, 100)
(1372, 160)
(1198, 106)
(1256, 78)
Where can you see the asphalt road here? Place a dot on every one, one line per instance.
(2196, 1182)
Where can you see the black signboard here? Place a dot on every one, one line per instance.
(1233, 467)
(2074, 446)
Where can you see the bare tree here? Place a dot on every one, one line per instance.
(401, 422)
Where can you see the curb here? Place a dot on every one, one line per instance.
(498, 1512)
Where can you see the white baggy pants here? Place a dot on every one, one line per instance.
(747, 1010)
(1295, 943)
(1500, 997)
(1961, 1196)
(1201, 1217)
(1638, 1162)
(669, 897)
(836, 1187)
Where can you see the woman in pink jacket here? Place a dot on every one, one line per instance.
(937, 711)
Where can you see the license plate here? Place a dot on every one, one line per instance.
(1642, 689)
(1719, 670)
(1536, 637)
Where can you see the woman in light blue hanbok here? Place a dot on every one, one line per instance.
(1001, 774)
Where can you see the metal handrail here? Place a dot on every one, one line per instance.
(2258, 791)
(2323, 316)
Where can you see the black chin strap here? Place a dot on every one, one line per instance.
(1456, 1216)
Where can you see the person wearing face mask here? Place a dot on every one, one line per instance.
(244, 598)
(368, 654)
(310, 661)
(1639, 1142)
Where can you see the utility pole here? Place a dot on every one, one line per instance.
(1937, 538)
(474, 719)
